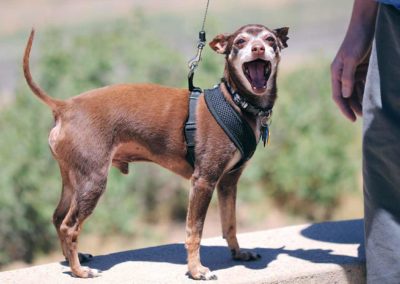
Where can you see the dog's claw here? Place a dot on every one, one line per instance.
(211, 276)
(208, 276)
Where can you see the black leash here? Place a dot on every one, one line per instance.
(194, 62)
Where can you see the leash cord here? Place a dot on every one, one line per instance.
(194, 62)
(205, 15)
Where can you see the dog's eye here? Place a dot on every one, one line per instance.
(240, 41)
(270, 39)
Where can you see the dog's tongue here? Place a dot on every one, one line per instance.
(257, 73)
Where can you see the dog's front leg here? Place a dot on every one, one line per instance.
(227, 188)
(199, 199)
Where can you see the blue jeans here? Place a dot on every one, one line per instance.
(381, 151)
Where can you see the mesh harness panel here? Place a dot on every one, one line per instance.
(233, 124)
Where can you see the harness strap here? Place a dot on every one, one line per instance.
(190, 126)
(233, 124)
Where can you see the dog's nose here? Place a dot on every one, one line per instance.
(258, 49)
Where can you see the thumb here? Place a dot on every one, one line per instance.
(348, 78)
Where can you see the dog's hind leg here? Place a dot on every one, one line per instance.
(63, 206)
(61, 211)
(87, 190)
(227, 188)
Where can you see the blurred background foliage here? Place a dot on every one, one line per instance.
(312, 162)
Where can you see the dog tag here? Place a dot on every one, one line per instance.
(265, 134)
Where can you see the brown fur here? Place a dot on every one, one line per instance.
(124, 123)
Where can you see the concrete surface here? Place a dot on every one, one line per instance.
(322, 253)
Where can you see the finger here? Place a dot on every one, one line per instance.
(345, 108)
(341, 102)
(336, 74)
(347, 79)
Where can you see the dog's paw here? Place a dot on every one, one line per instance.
(86, 272)
(201, 273)
(245, 255)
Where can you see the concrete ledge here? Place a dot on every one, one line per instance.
(329, 252)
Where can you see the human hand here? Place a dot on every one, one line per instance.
(350, 66)
(348, 76)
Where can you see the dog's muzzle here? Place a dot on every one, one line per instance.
(257, 73)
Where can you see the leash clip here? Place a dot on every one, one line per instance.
(194, 62)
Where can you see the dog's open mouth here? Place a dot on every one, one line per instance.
(257, 72)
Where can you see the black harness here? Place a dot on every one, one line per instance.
(233, 124)
(190, 125)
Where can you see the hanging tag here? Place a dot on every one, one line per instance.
(265, 134)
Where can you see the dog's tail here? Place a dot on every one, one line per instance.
(52, 103)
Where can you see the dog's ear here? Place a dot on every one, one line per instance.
(220, 43)
(281, 33)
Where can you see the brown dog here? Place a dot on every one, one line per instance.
(126, 123)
